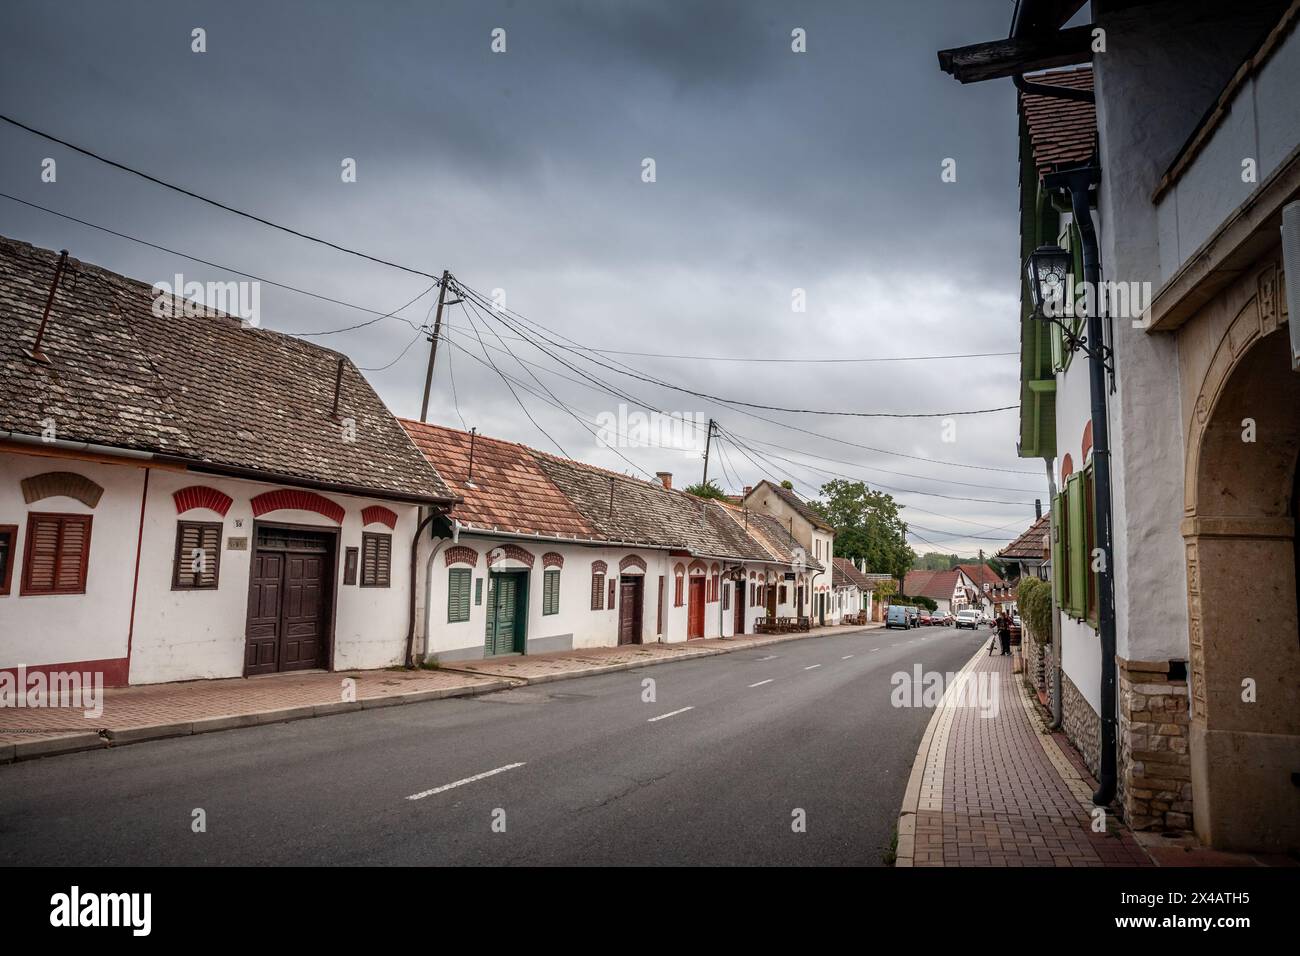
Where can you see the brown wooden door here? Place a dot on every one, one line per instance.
(303, 628)
(771, 600)
(288, 602)
(262, 650)
(695, 626)
(738, 599)
(629, 611)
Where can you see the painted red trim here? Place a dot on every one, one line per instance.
(632, 561)
(1067, 466)
(296, 499)
(599, 567)
(378, 514)
(552, 559)
(510, 552)
(135, 581)
(115, 669)
(201, 496)
(1087, 441)
(460, 555)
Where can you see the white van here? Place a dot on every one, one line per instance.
(968, 618)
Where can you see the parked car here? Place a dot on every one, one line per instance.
(897, 617)
(947, 619)
(913, 616)
(968, 618)
(923, 618)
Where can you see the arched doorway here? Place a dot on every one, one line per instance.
(1242, 497)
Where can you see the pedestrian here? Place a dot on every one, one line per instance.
(1004, 633)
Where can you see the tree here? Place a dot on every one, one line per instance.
(707, 489)
(867, 526)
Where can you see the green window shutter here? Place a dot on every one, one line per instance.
(1078, 545)
(551, 592)
(458, 595)
(1058, 549)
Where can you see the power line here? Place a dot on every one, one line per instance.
(238, 272)
(802, 361)
(759, 405)
(400, 355)
(212, 202)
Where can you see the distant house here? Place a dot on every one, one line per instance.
(946, 588)
(992, 592)
(853, 590)
(184, 497)
(544, 553)
(1030, 554)
(814, 534)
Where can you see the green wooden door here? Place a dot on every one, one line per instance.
(506, 614)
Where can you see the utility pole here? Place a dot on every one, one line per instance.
(433, 345)
(708, 443)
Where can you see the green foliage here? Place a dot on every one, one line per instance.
(705, 490)
(867, 525)
(935, 561)
(919, 601)
(1034, 598)
(787, 484)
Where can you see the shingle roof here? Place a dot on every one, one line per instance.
(774, 536)
(1061, 132)
(798, 504)
(1030, 545)
(846, 573)
(982, 574)
(938, 585)
(509, 490)
(205, 389)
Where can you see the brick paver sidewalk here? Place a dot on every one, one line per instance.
(1001, 791)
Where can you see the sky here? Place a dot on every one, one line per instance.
(781, 179)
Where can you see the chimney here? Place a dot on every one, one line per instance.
(748, 489)
(1038, 508)
(665, 478)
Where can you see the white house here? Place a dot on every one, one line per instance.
(814, 534)
(853, 591)
(544, 553)
(184, 497)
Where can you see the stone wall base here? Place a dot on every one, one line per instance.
(1081, 724)
(1155, 769)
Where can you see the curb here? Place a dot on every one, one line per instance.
(686, 655)
(73, 743)
(938, 727)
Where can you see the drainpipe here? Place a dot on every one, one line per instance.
(1056, 611)
(415, 548)
(1078, 182)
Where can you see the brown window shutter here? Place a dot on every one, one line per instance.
(597, 591)
(376, 560)
(201, 538)
(57, 551)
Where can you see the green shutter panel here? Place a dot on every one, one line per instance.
(1080, 561)
(1058, 550)
(458, 595)
(551, 592)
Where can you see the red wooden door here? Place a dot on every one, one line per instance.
(629, 611)
(738, 599)
(301, 635)
(695, 626)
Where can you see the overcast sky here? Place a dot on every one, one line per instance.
(523, 171)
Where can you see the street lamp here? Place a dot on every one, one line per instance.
(1046, 270)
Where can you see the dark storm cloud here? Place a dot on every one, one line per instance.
(521, 171)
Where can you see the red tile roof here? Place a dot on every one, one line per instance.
(509, 491)
(938, 585)
(846, 574)
(1061, 132)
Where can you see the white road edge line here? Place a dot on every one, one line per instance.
(762, 682)
(875, 648)
(671, 713)
(770, 657)
(846, 657)
(812, 667)
(460, 783)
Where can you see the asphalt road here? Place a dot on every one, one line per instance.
(593, 779)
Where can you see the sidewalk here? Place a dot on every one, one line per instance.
(1002, 791)
(155, 711)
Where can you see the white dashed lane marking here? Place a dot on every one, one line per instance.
(460, 783)
(671, 713)
(846, 657)
(762, 682)
(812, 667)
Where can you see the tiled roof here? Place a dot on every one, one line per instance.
(509, 490)
(203, 389)
(774, 536)
(1061, 132)
(938, 585)
(1030, 545)
(982, 574)
(847, 574)
(800, 506)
